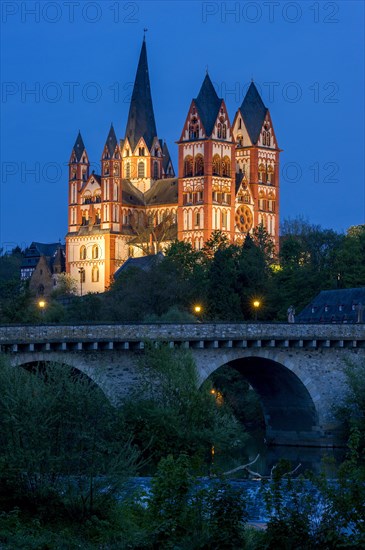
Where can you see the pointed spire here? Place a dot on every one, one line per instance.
(208, 104)
(141, 118)
(166, 160)
(79, 147)
(111, 141)
(253, 112)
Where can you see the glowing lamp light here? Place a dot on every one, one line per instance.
(42, 304)
(197, 309)
(256, 304)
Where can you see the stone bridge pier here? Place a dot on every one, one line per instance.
(296, 370)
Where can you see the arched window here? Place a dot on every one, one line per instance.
(194, 128)
(197, 219)
(130, 251)
(199, 165)
(239, 140)
(95, 252)
(141, 151)
(95, 274)
(141, 169)
(128, 170)
(226, 167)
(97, 218)
(219, 131)
(106, 169)
(216, 165)
(224, 131)
(188, 167)
(83, 253)
(155, 170)
(224, 219)
(261, 172)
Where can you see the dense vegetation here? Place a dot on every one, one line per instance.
(67, 457)
(223, 279)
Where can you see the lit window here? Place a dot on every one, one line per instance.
(141, 169)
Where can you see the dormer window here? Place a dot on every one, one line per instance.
(239, 123)
(141, 151)
(127, 152)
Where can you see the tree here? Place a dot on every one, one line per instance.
(61, 442)
(172, 414)
(149, 233)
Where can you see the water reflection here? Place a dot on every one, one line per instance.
(312, 459)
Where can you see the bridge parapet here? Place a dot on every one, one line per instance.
(199, 335)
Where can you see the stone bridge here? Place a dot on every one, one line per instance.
(297, 370)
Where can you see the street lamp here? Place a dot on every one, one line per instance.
(256, 304)
(42, 305)
(82, 273)
(198, 310)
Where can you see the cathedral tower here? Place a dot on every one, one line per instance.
(142, 150)
(257, 167)
(206, 169)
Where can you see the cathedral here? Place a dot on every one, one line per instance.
(227, 179)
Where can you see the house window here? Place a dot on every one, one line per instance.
(141, 169)
(83, 253)
(95, 252)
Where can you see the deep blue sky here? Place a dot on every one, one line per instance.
(309, 55)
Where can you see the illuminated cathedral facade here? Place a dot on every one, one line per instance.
(227, 179)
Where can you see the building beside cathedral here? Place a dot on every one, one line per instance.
(227, 179)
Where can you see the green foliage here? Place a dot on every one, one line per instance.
(186, 517)
(62, 445)
(237, 393)
(170, 414)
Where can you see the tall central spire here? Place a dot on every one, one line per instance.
(141, 118)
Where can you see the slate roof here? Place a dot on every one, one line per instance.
(253, 112)
(79, 147)
(334, 306)
(146, 263)
(166, 159)
(208, 105)
(141, 118)
(111, 141)
(131, 195)
(162, 192)
(51, 251)
(239, 178)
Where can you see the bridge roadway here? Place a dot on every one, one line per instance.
(297, 370)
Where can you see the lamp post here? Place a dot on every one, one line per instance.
(42, 305)
(82, 272)
(256, 304)
(197, 310)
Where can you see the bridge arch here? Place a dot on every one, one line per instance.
(29, 360)
(290, 405)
